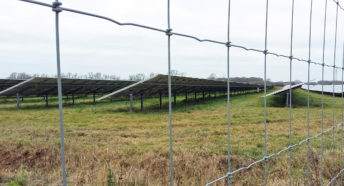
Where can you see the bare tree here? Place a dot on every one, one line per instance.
(212, 76)
(20, 75)
(114, 77)
(177, 73)
(152, 74)
(137, 77)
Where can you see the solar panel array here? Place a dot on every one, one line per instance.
(48, 86)
(158, 85)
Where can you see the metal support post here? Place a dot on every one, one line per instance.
(131, 102)
(175, 99)
(18, 102)
(94, 98)
(160, 99)
(141, 102)
(46, 100)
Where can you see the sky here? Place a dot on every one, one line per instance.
(27, 38)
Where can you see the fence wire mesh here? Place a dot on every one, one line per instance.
(57, 9)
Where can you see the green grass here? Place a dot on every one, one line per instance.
(135, 146)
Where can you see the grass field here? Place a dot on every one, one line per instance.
(106, 144)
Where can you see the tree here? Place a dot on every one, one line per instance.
(137, 77)
(152, 75)
(212, 76)
(21, 75)
(177, 73)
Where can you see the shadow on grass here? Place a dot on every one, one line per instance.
(151, 105)
(299, 99)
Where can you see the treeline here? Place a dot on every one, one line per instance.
(252, 80)
(90, 75)
(247, 80)
(330, 82)
(141, 76)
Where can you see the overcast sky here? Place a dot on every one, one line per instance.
(27, 38)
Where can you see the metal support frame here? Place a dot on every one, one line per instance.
(175, 99)
(160, 100)
(46, 100)
(73, 98)
(94, 98)
(18, 102)
(131, 102)
(141, 102)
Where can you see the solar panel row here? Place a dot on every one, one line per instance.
(151, 87)
(158, 85)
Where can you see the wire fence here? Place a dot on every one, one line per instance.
(57, 8)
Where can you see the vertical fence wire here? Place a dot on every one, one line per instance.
(168, 32)
(228, 92)
(308, 82)
(290, 92)
(341, 132)
(265, 59)
(333, 93)
(57, 10)
(322, 98)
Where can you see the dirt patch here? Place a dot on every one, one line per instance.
(14, 157)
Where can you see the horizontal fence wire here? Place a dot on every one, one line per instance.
(335, 177)
(275, 154)
(229, 44)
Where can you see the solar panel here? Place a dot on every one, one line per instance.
(285, 89)
(48, 86)
(6, 83)
(158, 85)
(326, 89)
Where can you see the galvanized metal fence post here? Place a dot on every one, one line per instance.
(57, 10)
(169, 34)
(228, 45)
(265, 60)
